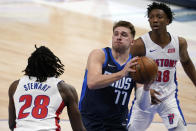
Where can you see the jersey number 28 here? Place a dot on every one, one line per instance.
(39, 109)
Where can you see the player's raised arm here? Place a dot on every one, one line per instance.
(95, 78)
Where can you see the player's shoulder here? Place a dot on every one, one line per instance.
(67, 91)
(97, 52)
(97, 55)
(138, 48)
(13, 87)
(182, 42)
(139, 42)
(15, 83)
(65, 87)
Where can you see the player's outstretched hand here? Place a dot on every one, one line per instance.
(154, 99)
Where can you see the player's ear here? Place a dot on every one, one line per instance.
(132, 42)
(167, 22)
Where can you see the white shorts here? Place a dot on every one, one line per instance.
(169, 110)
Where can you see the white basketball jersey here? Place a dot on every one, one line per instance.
(166, 59)
(38, 105)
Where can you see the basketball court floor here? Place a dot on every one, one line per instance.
(71, 29)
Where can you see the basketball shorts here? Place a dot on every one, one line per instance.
(169, 110)
(102, 124)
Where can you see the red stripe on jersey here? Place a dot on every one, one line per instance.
(58, 112)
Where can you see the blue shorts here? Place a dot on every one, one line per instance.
(103, 124)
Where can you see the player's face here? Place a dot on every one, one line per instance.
(158, 19)
(121, 39)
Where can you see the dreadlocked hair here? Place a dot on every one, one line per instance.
(161, 6)
(43, 63)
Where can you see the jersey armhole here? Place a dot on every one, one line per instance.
(142, 39)
(106, 57)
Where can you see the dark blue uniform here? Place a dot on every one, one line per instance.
(106, 109)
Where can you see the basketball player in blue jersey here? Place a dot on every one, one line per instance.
(107, 84)
(166, 49)
(38, 98)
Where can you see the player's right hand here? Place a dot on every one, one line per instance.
(129, 66)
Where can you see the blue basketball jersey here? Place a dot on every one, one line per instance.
(109, 102)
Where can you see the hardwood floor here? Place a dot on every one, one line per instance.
(71, 36)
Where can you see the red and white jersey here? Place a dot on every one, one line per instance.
(38, 105)
(166, 59)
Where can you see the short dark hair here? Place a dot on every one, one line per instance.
(161, 6)
(43, 63)
(125, 24)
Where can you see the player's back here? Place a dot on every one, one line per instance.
(37, 105)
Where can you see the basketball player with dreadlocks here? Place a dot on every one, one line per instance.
(37, 99)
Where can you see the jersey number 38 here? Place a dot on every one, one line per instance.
(163, 76)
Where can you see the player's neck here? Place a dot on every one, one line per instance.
(160, 38)
(121, 58)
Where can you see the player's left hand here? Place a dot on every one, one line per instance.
(154, 99)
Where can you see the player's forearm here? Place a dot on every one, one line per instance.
(78, 126)
(12, 115)
(75, 117)
(12, 125)
(102, 81)
(143, 97)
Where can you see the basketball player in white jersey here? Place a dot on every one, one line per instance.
(166, 49)
(37, 99)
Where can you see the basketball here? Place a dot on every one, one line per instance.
(146, 70)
